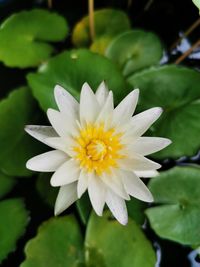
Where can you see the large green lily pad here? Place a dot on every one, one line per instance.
(84, 208)
(24, 37)
(6, 184)
(71, 70)
(135, 50)
(108, 23)
(176, 192)
(177, 91)
(14, 219)
(58, 243)
(45, 190)
(17, 110)
(109, 244)
(197, 3)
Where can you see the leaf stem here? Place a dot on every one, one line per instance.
(186, 33)
(49, 4)
(188, 52)
(91, 19)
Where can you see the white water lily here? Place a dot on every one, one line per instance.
(98, 148)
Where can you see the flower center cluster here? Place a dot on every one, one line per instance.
(98, 149)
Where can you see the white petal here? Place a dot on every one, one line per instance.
(66, 102)
(149, 145)
(64, 144)
(102, 93)
(115, 184)
(141, 122)
(89, 106)
(47, 162)
(66, 174)
(67, 195)
(138, 163)
(96, 190)
(147, 174)
(136, 188)
(106, 112)
(82, 183)
(117, 206)
(124, 111)
(64, 125)
(40, 132)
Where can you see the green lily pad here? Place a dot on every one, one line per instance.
(17, 110)
(71, 70)
(136, 210)
(24, 37)
(197, 3)
(84, 208)
(177, 193)
(135, 50)
(110, 244)
(58, 243)
(108, 23)
(99, 46)
(45, 190)
(6, 184)
(177, 90)
(14, 219)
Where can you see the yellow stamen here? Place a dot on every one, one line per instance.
(98, 149)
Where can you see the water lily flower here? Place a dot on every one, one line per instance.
(98, 148)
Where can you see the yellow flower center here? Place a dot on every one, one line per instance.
(98, 149)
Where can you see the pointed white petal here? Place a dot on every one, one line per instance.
(64, 144)
(148, 145)
(124, 111)
(89, 106)
(67, 195)
(114, 182)
(106, 112)
(66, 174)
(117, 206)
(147, 174)
(64, 125)
(96, 190)
(136, 188)
(66, 102)
(102, 93)
(40, 132)
(82, 183)
(47, 162)
(141, 122)
(138, 163)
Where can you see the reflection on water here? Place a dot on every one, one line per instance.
(194, 258)
(158, 254)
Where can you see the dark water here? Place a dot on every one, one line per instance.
(168, 18)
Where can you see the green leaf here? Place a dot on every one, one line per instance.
(58, 243)
(100, 45)
(177, 91)
(6, 184)
(108, 23)
(84, 208)
(110, 244)
(17, 110)
(136, 210)
(24, 37)
(14, 219)
(135, 50)
(197, 3)
(47, 192)
(71, 70)
(177, 216)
